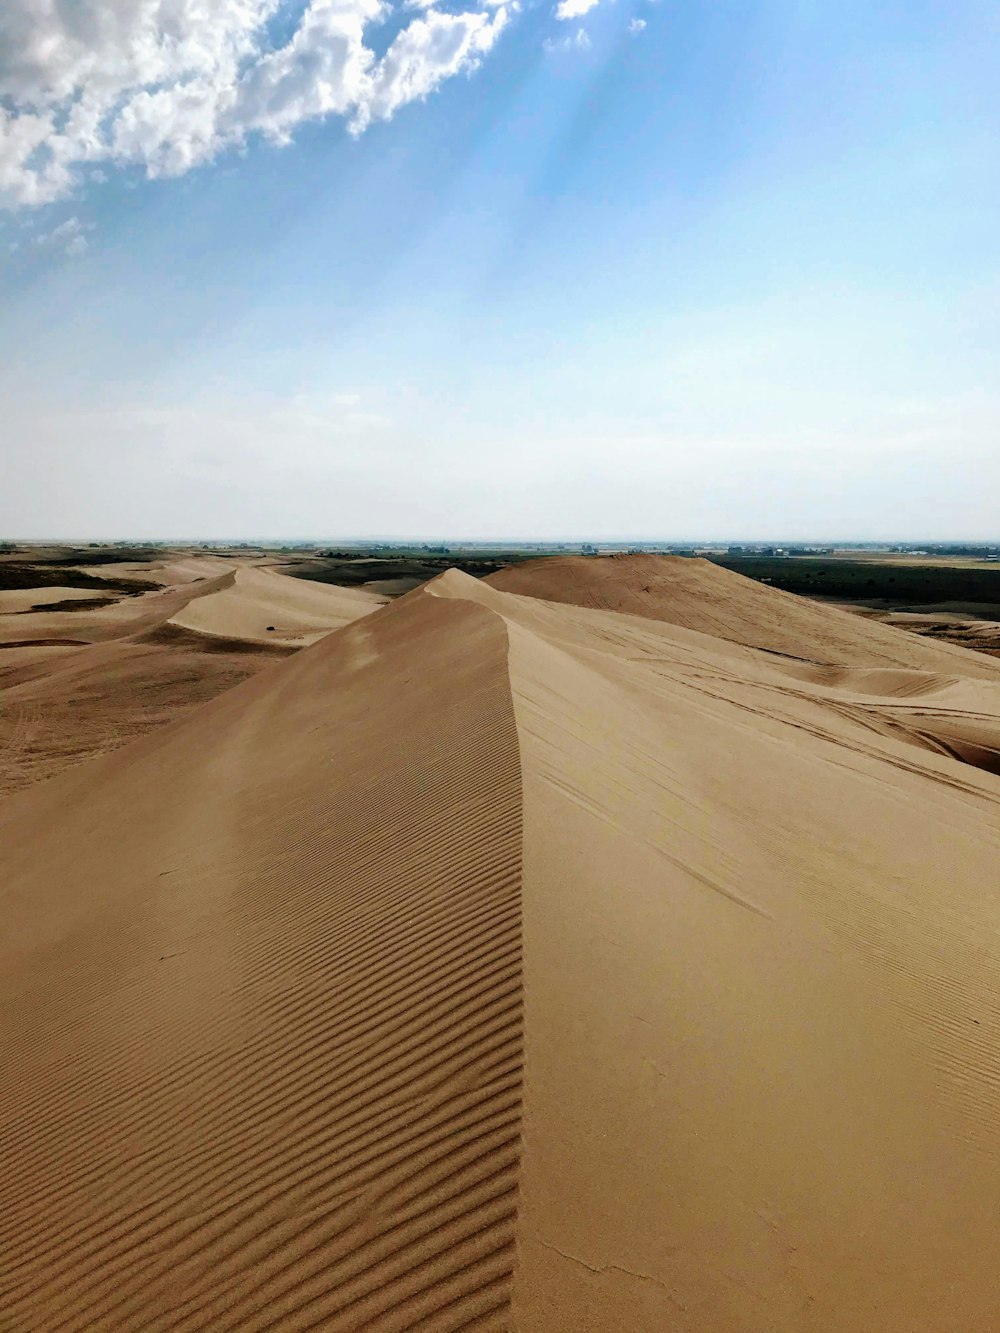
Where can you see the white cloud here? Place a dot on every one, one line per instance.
(168, 84)
(70, 237)
(578, 41)
(427, 51)
(636, 25)
(574, 9)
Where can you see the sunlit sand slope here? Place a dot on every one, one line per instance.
(269, 992)
(761, 944)
(262, 1001)
(175, 569)
(697, 594)
(264, 606)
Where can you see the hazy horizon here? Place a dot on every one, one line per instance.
(399, 539)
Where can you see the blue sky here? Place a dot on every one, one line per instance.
(661, 269)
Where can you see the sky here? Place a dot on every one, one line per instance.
(551, 269)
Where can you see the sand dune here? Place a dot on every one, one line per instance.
(78, 683)
(174, 569)
(63, 705)
(697, 594)
(294, 1095)
(236, 600)
(502, 963)
(263, 605)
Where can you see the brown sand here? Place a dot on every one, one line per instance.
(269, 992)
(698, 594)
(966, 624)
(265, 606)
(177, 568)
(74, 684)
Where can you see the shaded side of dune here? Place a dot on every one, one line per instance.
(262, 1063)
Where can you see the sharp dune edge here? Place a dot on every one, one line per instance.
(507, 963)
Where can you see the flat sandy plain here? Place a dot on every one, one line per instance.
(611, 944)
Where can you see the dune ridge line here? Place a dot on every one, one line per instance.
(279, 1082)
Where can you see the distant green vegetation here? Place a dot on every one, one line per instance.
(87, 555)
(23, 575)
(871, 580)
(347, 569)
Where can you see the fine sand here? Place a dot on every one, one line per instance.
(698, 594)
(265, 606)
(76, 683)
(505, 961)
(174, 569)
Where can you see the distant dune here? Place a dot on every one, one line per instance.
(79, 682)
(264, 606)
(618, 956)
(700, 595)
(173, 569)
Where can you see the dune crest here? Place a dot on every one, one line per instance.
(505, 963)
(266, 606)
(286, 1089)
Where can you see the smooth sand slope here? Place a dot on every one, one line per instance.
(894, 682)
(697, 594)
(265, 606)
(500, 964)
(176, 568)
(76, 683)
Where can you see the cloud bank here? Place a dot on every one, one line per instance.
(168, 84)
